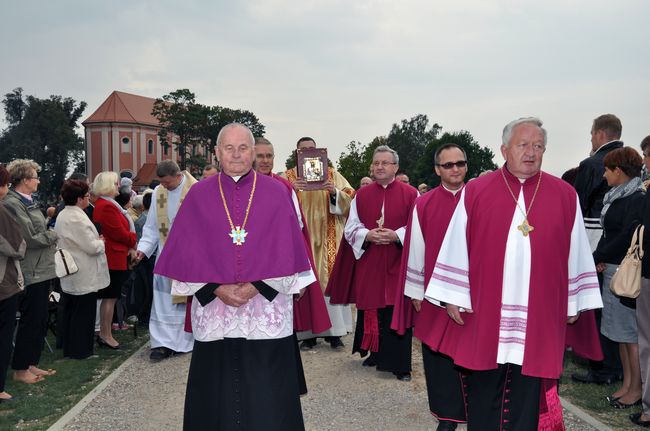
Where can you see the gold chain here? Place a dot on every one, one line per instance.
(248, 208)
(532, 201)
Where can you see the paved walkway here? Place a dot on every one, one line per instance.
(342, 396)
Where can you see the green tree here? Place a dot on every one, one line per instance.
(196, 126)
(410, 139)
(354, 163)
(179, 115)
(43, 130)
(479, 158)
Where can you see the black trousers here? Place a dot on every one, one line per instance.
(143, 287)
(394, 350)
(79, 323)
(32, 325)
(502, 400)
(7, 324)
(446, 386)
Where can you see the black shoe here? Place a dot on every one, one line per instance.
(636, 419)
(336, 343)
(102, 343)
(595, 377)
(446, 426)
(308, 344)
(617, 404)
(369, 362)
(403, 377)
(160, 353)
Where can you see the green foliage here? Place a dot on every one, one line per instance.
(354, 162)
(410, 139)
(479, 158)
(43, 130)
(196, 126)
(291, 160)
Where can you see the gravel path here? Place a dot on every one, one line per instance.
(343, 395)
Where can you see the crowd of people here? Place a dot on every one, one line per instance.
(246, 268)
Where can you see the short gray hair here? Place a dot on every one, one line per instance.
(387, 149)
(167, 168)
(510, 127)
(233, 126)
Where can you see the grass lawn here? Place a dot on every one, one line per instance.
(41, 404)
(591, 398)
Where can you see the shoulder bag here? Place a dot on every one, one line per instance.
(626, 282)
(64, 264)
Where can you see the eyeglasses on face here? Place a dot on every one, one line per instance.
(383, 164)
(450, 165)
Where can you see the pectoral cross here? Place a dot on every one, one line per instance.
(238, 235)
(525, 228)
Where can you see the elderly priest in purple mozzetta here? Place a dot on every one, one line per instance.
(236, 245)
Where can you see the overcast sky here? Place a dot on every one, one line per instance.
(347, 70)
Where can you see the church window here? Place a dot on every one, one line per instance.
(126, 145)
(150, 146)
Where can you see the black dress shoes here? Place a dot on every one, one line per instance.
(403, 377)
(636, 419)
(446, 426)
(369, 362)
(308, 344)
(335, 342)
(596, 377)
(160, 353)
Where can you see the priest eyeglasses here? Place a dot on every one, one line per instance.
(449, 165)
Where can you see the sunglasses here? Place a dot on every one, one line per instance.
(450, 165)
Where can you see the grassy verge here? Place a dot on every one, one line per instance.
(591, 398)
(40, 405)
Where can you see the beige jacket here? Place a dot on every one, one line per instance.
(78, 235)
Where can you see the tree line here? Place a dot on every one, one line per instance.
(45, 130)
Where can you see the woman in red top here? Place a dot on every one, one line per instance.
(119, 233)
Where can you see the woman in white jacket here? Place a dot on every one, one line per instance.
(78, 235)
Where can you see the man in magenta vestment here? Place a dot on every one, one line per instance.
(515, 265)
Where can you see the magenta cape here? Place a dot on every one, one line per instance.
(372, 281)
(310, 312)
(490, 208)
(199, 249)
(434, 210)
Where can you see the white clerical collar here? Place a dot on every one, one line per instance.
(385, 186)
(453, 192)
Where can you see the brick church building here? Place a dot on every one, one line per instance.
(122, 136)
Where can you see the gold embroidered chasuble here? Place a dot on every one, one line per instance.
(325, 228)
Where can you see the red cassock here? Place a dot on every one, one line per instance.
(372, 281)
(434, 210)
(310, 312)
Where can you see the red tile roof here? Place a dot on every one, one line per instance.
(122, 107)
(145, 175)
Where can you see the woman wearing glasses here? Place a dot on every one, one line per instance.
(37, 268)
(78, 235)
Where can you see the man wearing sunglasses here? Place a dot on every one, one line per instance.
(366, 270)
(424, 236)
